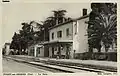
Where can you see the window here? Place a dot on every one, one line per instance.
(59, 34)
(53, 35)
(75, 27)
(67, 32)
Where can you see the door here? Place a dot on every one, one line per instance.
(52, 52)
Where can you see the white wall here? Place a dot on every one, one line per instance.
(50, 51)
(7, 49)
(80, 41)
(41, 52)
(35, 50)
(63, 29)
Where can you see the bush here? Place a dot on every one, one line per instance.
(110, 56)
(99, 56)
(82, 56)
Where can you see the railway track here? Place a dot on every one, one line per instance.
(51, 69)
(77, 66)
(68, 68)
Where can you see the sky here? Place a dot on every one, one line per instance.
(14, 14)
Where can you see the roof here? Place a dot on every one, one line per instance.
(59, 41)
(60, 24)
(7, 43)
(82, 17)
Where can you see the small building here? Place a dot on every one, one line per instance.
(7, 48)
(36, 50)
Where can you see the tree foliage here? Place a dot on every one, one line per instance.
(102, 25)
(28, 35)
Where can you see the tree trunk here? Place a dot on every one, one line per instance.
(90, 53)
(14, 51)
(24, 52)
(99, 49)
(106, 50)
(20, 51)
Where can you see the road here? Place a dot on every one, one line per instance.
(13, 66)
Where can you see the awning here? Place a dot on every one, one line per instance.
(58, 42)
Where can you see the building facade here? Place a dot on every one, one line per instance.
(7, 48)
(66, 40)
(80, 39)
(69, 39)
(36, 50)
(61, 40)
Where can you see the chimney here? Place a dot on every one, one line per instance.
(84, 12)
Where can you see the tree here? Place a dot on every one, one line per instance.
(57, 18)
(102, 26)
(104, 30)
(15, 43)
(27, 35)
(38, 34)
